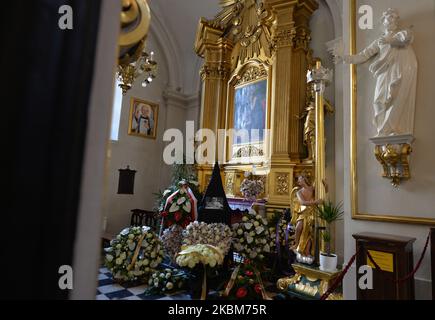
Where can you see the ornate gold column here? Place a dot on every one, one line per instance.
(320, 77)
(215, 73)
(290, 44)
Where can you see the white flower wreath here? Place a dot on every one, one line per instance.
(127, 261)
(251, 236)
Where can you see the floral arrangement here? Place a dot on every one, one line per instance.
(134, 254)
(282, 224)
(215, 234)
(178, 209)
(172, 238)
(204, 254)
(251, 188)
(245, 284)
(251, 236)
(179, 172)
(166, 281)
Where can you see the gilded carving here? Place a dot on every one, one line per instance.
(248, 151)
(249, 25)
(282, 184)
(284, 37)
(394, 159)
(251, 74)
(229, 185)
(302, 39)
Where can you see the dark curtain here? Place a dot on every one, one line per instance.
(47, 77)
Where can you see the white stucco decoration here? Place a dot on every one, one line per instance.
(394, 67)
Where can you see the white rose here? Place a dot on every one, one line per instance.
(240, 232)
(131, 246)
(256, 224)
(266, 248)
(118, 261)
(259, 230)
(174, 207)
(169, 285)
(145, 262)
(153, 254)
(249, 239)
(248, 225)
(131, 236)
(245, 218)
(109, 257)
(168, 275)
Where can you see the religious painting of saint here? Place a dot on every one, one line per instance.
(250, 105)
(143, 118)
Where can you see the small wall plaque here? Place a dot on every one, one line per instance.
(126, 181)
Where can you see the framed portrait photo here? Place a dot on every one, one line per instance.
(143, 118)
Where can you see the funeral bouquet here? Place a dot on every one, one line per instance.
(251, 236)
(166, 281)
(134, 254)
(245, 284)
(215, 234)
(205, 254)
(172, 238)
(180, 207)
(251, 188)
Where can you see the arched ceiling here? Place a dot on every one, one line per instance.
(180, 19)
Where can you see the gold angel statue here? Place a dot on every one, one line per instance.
(303, 205)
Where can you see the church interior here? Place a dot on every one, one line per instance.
(223, 150)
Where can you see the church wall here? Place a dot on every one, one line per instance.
(141, 154)
(414, 198)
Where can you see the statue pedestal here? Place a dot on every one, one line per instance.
(309, 283)
(393, 153)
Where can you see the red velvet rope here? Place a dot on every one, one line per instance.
(417, 266)
(343, 273)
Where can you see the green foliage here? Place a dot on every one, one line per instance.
(329, 213)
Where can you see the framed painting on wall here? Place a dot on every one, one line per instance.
(143, 118)
(248, 114)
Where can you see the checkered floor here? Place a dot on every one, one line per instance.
(110, 290)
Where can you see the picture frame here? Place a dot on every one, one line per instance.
(248, 88)
(143, 118)
(356, 213)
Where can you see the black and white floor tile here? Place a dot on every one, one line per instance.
(108, 289)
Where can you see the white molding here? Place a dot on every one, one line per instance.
(180, 100)
(396, 139)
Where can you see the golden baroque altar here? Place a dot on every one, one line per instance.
(257, 49)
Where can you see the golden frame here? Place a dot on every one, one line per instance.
(155, 110)
(353, 140)
(232, 86)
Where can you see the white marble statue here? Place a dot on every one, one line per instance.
(395, 68)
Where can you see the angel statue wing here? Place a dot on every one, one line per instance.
(295, 205)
